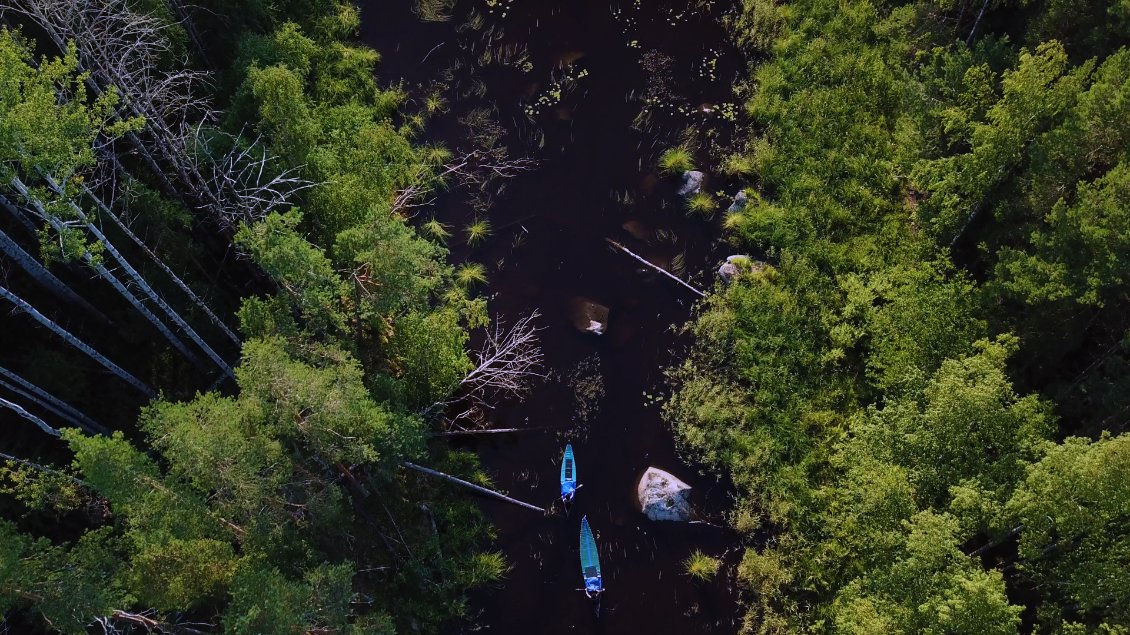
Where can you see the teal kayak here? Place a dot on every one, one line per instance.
(590, 561)
(568, 475)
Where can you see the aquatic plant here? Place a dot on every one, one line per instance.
(702, 203)
(700, 566)
(676, 160)
(734, 220)
(477, 231)
(484, 568)
(434, 10)
(738, 165)
(435, 229)
(470, 273)
(435, 104)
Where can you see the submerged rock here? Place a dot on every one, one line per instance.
(638, 230)
(740, 201)
(692, 182)
(588, 316)
(663, 497)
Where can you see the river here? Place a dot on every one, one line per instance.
(567, 82)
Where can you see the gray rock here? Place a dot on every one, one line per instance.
(738, 264)
(692, 182)
(740, 201)
(663, 497)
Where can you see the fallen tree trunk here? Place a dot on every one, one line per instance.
(654, 267)
(459, 433)
(478, 488)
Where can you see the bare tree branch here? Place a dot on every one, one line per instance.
(475, 168)
(506, 364)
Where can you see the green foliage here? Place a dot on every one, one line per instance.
(676, 161)
(1072, 505)
(930, 587)
(40, 490)
(917, 196)
(477, 231)
(301, 269)
(701, 567)
(470, 274)
(702, 203)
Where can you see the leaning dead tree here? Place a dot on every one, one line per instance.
(105, 213)
(70, 338)
(41, 273)
(24, 388)
(478, 488)
(40, 423)
(126, 51)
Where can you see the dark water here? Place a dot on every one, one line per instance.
(596, 175)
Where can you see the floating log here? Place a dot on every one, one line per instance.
(478, 488)
(459, 433)
(656, 268)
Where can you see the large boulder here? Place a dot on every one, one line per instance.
(692, 182)
(588, 316)
(663, 497)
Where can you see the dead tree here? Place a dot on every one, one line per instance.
(47, 401)
(69, 338)
(506, 365)
(141, 282)
(243, 178)
(62, 227)
(474, 168)
(40, 423)
(507, 362)
(107, 213)
(478, 488)
(41, 273)
(124, 50)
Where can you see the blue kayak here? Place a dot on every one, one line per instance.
(590, 561)
(568, 475)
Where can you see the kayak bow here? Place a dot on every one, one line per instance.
(568, 475)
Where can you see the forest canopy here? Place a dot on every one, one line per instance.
(922, 396)
(287, 342)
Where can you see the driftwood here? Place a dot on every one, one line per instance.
(478, 488)
(656, 268)
(459, 433)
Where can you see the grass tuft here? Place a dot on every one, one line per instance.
(701, 566)
(470, 274)
(477, 231)
(676, 161)
(436, 230)
(702, 203)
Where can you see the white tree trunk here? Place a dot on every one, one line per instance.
(43, 275)
(30, 417)
(106, 274)
(76, 342)
(50, 402)
(140, 281)
(106, 212)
